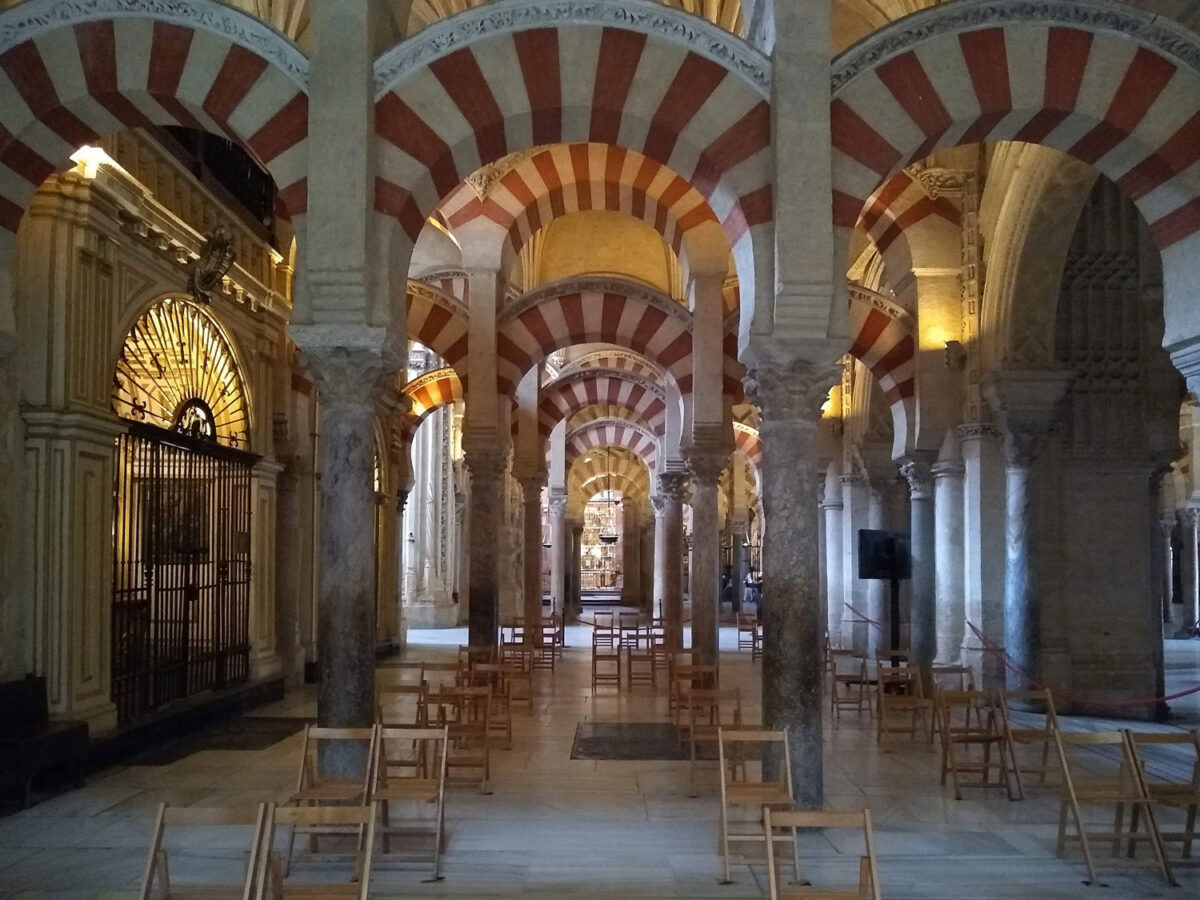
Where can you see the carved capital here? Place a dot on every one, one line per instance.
(974, 431)
(486, 464)
(401, 500)
(558, 504)
(706, 466)
(1026, 405)
(787, 392)
(1167, 525)
(673, 485)
(531, 487)
(351, 367)
(1191, 516)
(920, 482)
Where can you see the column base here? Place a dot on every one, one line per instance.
(265, 665)
(100, 715)
(431, 615)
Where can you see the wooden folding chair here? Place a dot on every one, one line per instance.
(849, 684)
(1042, 737)
(517, 671)
(973, 719)
(868, 887)
(606, 666)
(316, 789)
(470, 736)
(548, 651)
(1125, 786)
(747, 630)
(629, 626)
(273, 873)
(739, 788)
(1174, 794)
(604, 632)
(401, 671)
(707, 712)
(659, 651)
(412, 770)
(443, 673)
(899, 694)
(686, 678)
(253, 819)
(640, 664)
(401, 704)
(491, 675)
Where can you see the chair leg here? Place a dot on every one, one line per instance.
(725, 842)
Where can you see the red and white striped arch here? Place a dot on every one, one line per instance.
(433, 390)
(612, 433)
(593, 310)
(1112, 90)
(732, 371)
(451, 282)
(642, 400)
(617, 360)
(569, 178)
(884, 340)
(69, 76)
(745, 438)
(611, 469)
(477, 87)
(908, 226)
(439, 321)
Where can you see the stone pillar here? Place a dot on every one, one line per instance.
(1166, 529)
(657, 603)
(704, 574)
(855, 500)
(401, 539)
(878, 593)
(948, 551)
(486, 515)
(630, 554)
(1191, 570)
(288, 560)
(671, 487)
(1025, 403)
(983, 551)
(531, 485)
(350, 379)
(835, 604)
(559, 552)
(789, 398)
(575, 605)
(922, 611)
(264, 654)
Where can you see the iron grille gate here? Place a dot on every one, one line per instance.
(181, 568)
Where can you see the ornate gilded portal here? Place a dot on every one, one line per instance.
(181, 561)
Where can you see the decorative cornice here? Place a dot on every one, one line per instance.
(428, 378)
(599, 284)
(645, 16)
(33, 18)
(939, 182)
(1163, 35)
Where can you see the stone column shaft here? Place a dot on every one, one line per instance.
(559, 552)
(532, 558)
(789, 398)
(1166, 527)
(657, 603)
(1191, 556)
(835, 606)
(922, 613)
(671, 486)
(575, 606)
(948, 552)
(486, 513)
(704, 574)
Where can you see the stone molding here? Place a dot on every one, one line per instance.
(596, 284)
(1169, 38)
(698, 35)
(947, 468)
(974, 431)
(889, 306)
(789, 392)
(438, 296)
(1026, 403)
(34, 18)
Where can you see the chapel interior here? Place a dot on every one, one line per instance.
(635, 448)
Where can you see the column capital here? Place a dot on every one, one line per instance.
(486, 462)
(792, 390)
(531, 486)
(558, 504)
(920, 482)
(1167, 525)
(1026, 404)
(705, 465)
(975, 431)
(673, 485)
(401, 500)
(350, 364)
(1191, 515)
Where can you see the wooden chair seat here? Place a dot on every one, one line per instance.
(418, 778)
(739, 787)
(274, 872)
(156, 878)
(868, 887)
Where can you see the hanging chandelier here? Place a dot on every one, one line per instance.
(608, 532)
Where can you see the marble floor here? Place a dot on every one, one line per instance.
(558, 827)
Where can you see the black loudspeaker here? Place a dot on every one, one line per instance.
(883, 555)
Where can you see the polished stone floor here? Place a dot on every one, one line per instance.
(561, 827)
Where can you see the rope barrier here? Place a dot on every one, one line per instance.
(990, 647)
(863, 618)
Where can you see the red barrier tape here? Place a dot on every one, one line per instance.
(1032, 682)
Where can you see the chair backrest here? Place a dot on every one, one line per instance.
(401, 704)
(732, 746)
(157, 871)
(271, 879)
(411, 753)
(955, 678)
(1096, 770)
(472, 654)
(891, 656)
(844, 662)
(1158, 771)
(317, 737)
(868, 870)
(710, 709)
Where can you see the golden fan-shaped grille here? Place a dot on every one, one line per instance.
(176, 371)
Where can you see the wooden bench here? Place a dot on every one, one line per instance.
(30, 744)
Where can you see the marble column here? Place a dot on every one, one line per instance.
(835, 604)
(1025, 403)
(922, 633)
(559, 552)
(789, 398)
(531, 486)
(704, 574)
(401, 540)
(671, 487)
(948, 551)
(983, 552)
(855, 500)
(631, 541)
(575, 606)
(1191, 570)
(350, 380)
(1166, 529)
(486, 515)
(288, 560)
(878, 593)
(657, 605)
